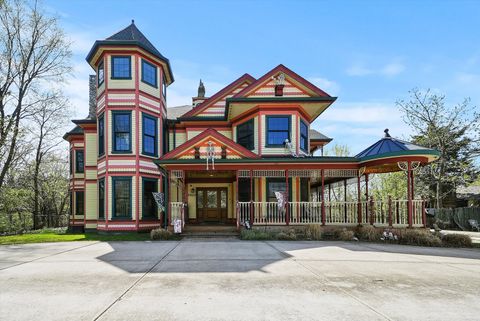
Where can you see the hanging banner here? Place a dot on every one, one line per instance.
(160, 200)
(281, 200)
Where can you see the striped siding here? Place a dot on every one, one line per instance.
(121, 99)
(218, 108)
(268, 90)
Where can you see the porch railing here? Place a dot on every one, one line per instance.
(392, 213)
(176, 211)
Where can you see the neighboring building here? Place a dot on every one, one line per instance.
(219, 160)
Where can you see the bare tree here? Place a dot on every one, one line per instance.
(453, 131)
(33, 53)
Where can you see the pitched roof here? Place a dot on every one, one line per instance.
(389, 146)
(130, 36)
(316, 135)
(77, 130)
(177, 111)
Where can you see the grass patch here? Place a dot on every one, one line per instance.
(48, 236)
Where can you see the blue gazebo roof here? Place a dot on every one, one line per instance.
(389, 146)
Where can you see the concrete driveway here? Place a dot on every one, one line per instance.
(237, 280)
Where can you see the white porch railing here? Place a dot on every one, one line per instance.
(378, 213)
(176, 211)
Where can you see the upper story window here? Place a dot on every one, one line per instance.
(149, 142)
(149, 73)
(101, 136)
(121, 67)
(79, 164)
(164, 87)
(71, 162)
(278, 130)
(245, 134)
(100, 74)
(303, 136)
(122, 132)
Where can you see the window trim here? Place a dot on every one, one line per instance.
(76, 202)
(114, 137)
(101, 205)
(101, 142)
(114, 204)
(112, 73)
(268, 180)
(102, 66)
(145, 62)
(155, 181)
(77, 169)
(252, 134)
(155, 145)
(302, 136)
(267, 129)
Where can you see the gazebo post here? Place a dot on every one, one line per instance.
(359, 201)
(409, 194)
(323, 197)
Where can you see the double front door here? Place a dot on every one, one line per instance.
(212, 205)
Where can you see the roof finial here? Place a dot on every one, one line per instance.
(201, 89)
(386, 133)
(133, 22)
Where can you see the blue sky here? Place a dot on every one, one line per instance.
(369, 53)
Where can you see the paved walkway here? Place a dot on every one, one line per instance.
(237, 280)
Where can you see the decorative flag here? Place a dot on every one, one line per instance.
(160, 200)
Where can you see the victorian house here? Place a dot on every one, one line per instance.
(246, 153)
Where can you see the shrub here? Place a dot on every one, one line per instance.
(420, 237)
(457, 240)
(287, 236)
(255, 235)
(368, 233)
(160, 234)
(313, 232)
(344, 235)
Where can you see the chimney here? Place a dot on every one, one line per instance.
(92, 97)
(200, 95)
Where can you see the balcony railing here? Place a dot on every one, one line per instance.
(392, 213)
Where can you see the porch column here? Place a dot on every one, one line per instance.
(251, 198)
(409, 194)
(359, 201)
(287, 211)
(237, 206)
(185, 197)
(168, 199)
(345, 198)
(366, 193)
(323, 197)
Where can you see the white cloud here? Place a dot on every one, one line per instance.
(389, 70)
(329, 86)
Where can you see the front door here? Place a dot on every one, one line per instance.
(212, 204)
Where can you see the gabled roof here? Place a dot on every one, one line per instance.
(175, 112)
(210, 134)
(289, 73)
(389, 147)
(131, 36)
(219, 95)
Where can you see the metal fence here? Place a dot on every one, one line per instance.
(19, 222)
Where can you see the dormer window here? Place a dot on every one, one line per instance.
(100, 74)
(278, 130)
(121, 67)
(149, 73)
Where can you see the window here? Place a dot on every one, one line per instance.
(121, 132)
(245, 134)
(303, 136)
(101, 198)
(278, 185)
(70, 194)
(149, 140)
(100, 74)
(79, 198)
(79, 164)
(278, 130)
(122, 197)
(71, 162)
(149, 73)
(164, 87)
(101, 136)
(149, 207)
(244, 190)
(121, 67)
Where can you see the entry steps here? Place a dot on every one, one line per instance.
(210, 231)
